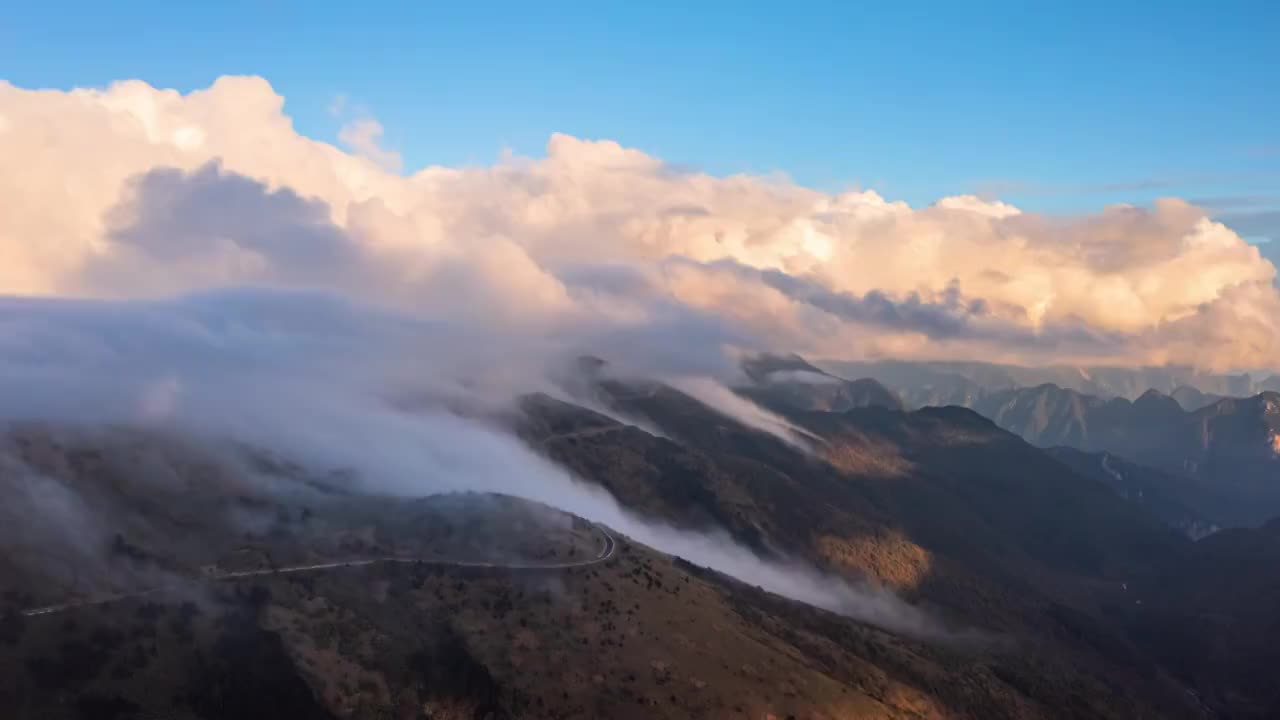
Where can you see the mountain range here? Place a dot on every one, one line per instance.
(976, 574)
(1205, 460)
(949, 510)
(1223, 459)
(921, 384)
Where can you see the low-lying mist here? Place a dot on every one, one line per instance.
(401, 405)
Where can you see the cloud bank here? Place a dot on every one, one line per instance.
(134, 191)
(322, 382)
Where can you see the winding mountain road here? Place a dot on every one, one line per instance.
(607, 549)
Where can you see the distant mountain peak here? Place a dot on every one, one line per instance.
(794, 382)
(758, 367)
(1155, 401)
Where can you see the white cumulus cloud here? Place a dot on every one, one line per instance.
(137, 191)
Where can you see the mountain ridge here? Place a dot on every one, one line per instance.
(922, 383)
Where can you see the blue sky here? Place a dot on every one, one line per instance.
(1060, 108)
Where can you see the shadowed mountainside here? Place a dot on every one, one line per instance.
(1229, 450)
(1155, 490)
(1062, 596)
(955, 513)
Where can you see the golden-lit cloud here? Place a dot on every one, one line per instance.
(136, 191)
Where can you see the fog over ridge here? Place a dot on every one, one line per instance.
(315, 380)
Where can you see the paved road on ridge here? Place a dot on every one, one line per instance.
(607, 549)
